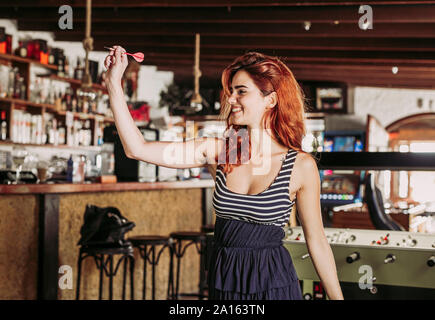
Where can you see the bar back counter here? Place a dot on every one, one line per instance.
(40, 227)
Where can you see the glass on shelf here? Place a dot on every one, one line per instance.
(43, 171)
(19, 154)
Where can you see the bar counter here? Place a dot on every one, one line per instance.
(102, 187)
(40, 227)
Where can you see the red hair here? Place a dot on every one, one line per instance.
(286, 119)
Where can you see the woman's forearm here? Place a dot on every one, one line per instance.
(324, 263)
(128, 132)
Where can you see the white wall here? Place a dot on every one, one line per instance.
(386, 104)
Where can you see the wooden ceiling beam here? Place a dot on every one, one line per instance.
(228, 58)
(393, 30)
(361, 71)
(415, 71)
(206, 3)
(300, 55)
(277, 15)
(288, 43)
(212, 76)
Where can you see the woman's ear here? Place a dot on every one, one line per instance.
(272, 99)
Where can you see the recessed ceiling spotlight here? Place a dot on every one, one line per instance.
(395, 69)
(307, 25)
(336, 22)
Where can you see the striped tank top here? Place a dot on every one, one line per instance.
(270, 207)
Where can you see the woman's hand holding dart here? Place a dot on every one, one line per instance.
(115, 63)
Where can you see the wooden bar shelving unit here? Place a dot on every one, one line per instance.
(9, 104)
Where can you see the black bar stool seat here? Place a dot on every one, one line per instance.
(103, 256)
(181, 241)
(142, 242)
(151, 239)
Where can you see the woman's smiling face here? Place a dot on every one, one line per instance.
(248, 103)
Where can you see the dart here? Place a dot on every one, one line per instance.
(138, 56)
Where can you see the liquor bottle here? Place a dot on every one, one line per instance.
(58, 100)
(100, 131)
(62, 100)
(17, 86)
(21, 51)
(60, 67)
(3, 126)
(80, 96)
(51, 57)
(85, 102)
(11, 81)
(70, 169)
(68, 99)
(74, 102)
(61, 130)
(78, 72)
(66, 67)
(22, 88)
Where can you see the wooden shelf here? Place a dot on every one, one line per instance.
(11, 57)
(206, 117)
(88, 116)
(28, 103)
(84, 116)
(63, 146)
(95, 86)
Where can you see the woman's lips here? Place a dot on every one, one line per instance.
(235, 110)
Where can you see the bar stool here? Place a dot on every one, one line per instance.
(149, 255)
(103, 257)
(181, 241)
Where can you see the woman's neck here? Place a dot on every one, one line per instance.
(262, 143)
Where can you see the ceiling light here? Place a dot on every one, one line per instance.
(395, 69)
(336, 22)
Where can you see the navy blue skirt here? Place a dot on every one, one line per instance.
(248, 262)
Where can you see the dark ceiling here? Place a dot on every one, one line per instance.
(334, 49)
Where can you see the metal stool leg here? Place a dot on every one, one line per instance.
(124, 277)
(178, 257)
(153, 270)
(79, 276)
(101, 267)
(144, 289)
(131, 277)
(111, 277)
(171, 272)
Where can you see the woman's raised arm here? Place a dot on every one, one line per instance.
(190, 154)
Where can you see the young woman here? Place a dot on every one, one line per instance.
(260, 170)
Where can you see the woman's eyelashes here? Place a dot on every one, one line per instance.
(239, 92)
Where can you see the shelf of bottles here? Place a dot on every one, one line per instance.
(49, 108)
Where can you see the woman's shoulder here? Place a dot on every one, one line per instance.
(305, 162)
(304, 169)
